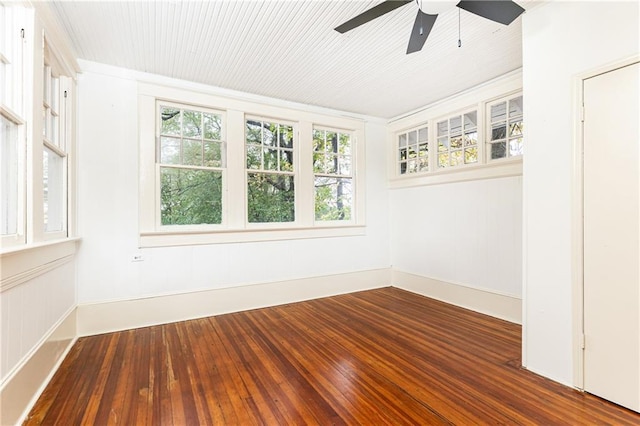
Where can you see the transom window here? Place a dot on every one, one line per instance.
(270, 171)
(458, 140)
(333, 174)
(191, 159)
(413, 151)
(506, 129)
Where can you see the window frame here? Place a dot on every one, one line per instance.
(237, 109)
(158, 219)
(295, 173)
(488, 133)
(60, 143)
(505, 87)
(13, 109)
(353, 154)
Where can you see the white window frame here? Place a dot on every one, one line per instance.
(295, 173)
(449, 150)
(509, 119)
(420, 167)
(351, 176)
(223, 170)
(236, 227)
(56, 107)
(12, 109)
(507, 86)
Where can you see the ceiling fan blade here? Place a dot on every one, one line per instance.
(502, 11)
(371, 14)
(421, 29)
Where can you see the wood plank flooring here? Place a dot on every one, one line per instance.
(380, 357)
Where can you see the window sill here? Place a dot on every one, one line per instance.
(22, 263)
(503, 168)
(164, 239)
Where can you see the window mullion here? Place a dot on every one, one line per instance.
(234, 197)
(304, 179)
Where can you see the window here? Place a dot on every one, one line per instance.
(413, 151)
(458, 140)
(333, 179)
(54, 145)
(270, 171)
(506, 129)
(215, 170)
(12, 128)
(191, 159)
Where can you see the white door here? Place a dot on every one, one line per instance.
(612, 236)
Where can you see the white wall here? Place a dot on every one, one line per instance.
(560, 41)
(466, 233)
(108, 216)
(30, 311)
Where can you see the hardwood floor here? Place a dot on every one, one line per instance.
(377, 357)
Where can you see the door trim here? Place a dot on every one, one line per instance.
(577, 213)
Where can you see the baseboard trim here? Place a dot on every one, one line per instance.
(128, 314)
(23, 388)
(496, 305)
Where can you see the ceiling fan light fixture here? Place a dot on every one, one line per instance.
(435, 7)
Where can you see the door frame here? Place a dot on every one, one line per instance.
(577, 213)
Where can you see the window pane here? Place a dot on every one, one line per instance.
(344, 147)
(170, 121)
(499, 112)
(515, 107)
(443, 159)
(470, 120)
(8, 177)
(213, 154)
(191, 124)
(254, 157)
(498, 131)
(169, 150)
(413, 137)
(423, 134)
(443, 144)
(269, 133)
(456, 158)
(254, 132)
(412, 166)
(319, 140)
(470, 138)
(515, 129)
(456, 142)
(456, 125)
(344, 165)
(471, 155)
(402, 140)
(270, 157)
(285, 137)
(403, 168)
(333, 198)
(212, 126)
(403, 154)
(498, 150)
(190, 197)
(286, 160)
(515, 147)
(271, 198)
(53, 185)
(318, 162)
(192, 152)
(424, 164)
(443, 128)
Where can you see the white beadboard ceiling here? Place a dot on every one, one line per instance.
(289, 49)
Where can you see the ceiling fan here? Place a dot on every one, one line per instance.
(502, 11)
